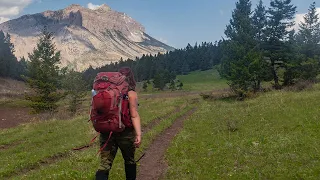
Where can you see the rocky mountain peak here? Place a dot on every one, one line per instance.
(84, 36)
(104, 7)
(74, 6)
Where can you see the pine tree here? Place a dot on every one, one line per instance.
(44, 74)
(172, 85)
(240, 29)
(309, 33)
(259, 21)
(280, 18)
(8, 62)
(145, 86)
(241, 64)
(89, 75)
(309, 45)
(159, 81)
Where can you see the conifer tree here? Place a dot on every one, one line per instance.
(280, 19)
(44, 74)
(308, 40)
(241, 64)
(309, 33)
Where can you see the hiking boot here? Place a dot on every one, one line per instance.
(131, 171)
(102, 175)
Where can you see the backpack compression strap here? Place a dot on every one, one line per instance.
(86, 146)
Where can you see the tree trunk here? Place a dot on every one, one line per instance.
(275, 76)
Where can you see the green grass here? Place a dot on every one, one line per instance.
(29, 144)
(35, 142)
(154, 108)
(277, 137)
(83, 164)
(195, 81)
(202, 81)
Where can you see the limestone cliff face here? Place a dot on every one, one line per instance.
(85, 37)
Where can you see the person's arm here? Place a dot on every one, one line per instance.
(133, 106)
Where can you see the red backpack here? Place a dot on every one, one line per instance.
(110, 103)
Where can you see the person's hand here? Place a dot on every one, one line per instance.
(137, 141)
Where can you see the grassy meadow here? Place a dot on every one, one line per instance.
(272, 136)
(203, 81)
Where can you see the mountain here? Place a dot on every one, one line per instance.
(84, 36)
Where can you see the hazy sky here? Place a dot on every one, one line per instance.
(175, 22)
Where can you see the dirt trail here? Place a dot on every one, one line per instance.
(11, 117)
(153, 165)
(172, 94)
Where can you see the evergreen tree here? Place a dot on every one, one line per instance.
(159, 81)
(44, 74)
(241, 64)
(309, 33)
(8, 62)
(21, 69)
(162, 78)
(280, 19)
(145, 86)
(259, 21)
(309, 45)
(172, 85)
(89, 75)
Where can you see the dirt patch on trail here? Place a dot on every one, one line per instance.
(14, 116)
(11, 117)
(153, 165)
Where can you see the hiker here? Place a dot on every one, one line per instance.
(127, 140)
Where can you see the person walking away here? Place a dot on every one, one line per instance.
(127, 140)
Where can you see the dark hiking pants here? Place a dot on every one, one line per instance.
(123, 140)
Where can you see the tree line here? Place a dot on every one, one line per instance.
(9, 65)
(163, 68)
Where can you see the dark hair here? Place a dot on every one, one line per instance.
(130, 77)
